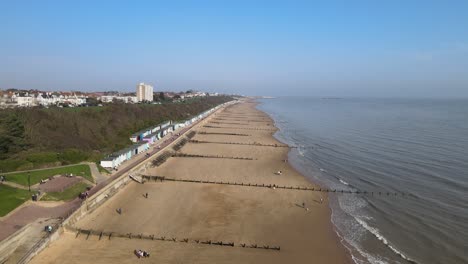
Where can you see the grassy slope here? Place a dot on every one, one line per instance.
(36, 176)
(102, 169)
(10, 198)
(33, 138)
(68, 194)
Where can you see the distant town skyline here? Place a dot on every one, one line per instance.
(333, 48)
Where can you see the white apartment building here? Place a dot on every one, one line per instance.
(23, 100)
(44, 99)
(125, 99)
(144, 92)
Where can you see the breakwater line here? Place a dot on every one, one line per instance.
(240, 119)
(226, 134)
(186, 155)
(245, 128)
(109, 235)
(239, 143)
(229, 123)
(148, 178)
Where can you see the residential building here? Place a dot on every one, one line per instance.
(144, 92)
(125, 99)
(37, 98)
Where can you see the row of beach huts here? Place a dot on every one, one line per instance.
(142, 140)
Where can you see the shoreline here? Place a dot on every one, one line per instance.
(356, 254)
(198, 212)
(339, 239)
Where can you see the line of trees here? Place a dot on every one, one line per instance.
(39, 137)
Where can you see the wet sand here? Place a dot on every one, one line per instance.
(239, 214)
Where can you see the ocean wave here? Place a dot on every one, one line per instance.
(380, 237)
(370, 258)
(358, 254)
(301, 151)
(343, 182)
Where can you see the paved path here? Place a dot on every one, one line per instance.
(31, 212)
(48, 168)
(98, 177)
(34, 234)
(15, 185)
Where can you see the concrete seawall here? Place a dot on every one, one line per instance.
(10, 244)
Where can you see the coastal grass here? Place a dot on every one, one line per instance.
(67, 194)
(11, 198)
(102, 169)
(46, 159)
(82, 170)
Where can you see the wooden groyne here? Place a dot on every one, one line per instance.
(191, 134)
(240, 119)
(180, 144)
(161, 158)
(229, 123)
(239, 143)
(109, 235)
(276, 186)
(226, 134)
(237, 115)
(245, 128)
(185, 155)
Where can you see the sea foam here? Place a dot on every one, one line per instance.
(343, 182)
(380, 237)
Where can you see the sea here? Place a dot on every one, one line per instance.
(407, 158)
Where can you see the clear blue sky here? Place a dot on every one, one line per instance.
(342, 48)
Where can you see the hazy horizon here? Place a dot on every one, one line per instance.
(358, 49)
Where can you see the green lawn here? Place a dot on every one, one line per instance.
(102, 169)
(68, 194)
(10, 198)
(36, 176)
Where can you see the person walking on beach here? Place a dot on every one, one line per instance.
(146, 195)
(321, 200)
(119, 211)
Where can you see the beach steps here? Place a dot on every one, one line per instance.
(136, 178)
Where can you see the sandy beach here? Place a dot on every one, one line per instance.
(201, 212)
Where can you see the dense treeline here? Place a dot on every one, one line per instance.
(39, 137)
